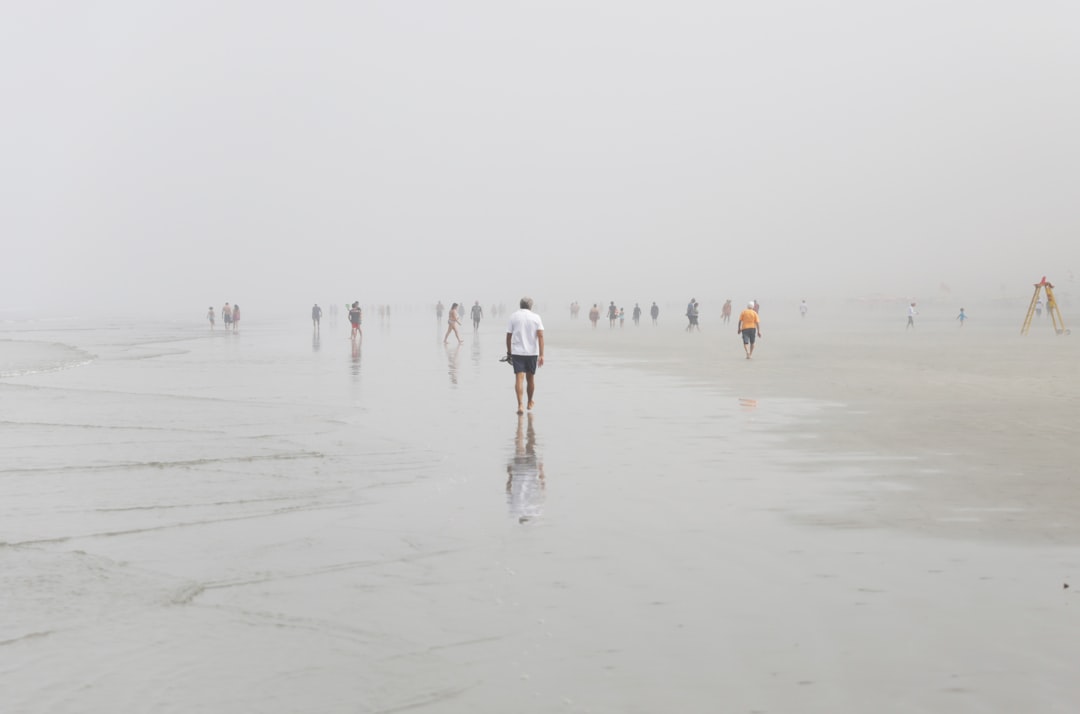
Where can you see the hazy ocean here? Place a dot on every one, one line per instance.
(276, 521)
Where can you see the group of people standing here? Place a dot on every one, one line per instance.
(230, 316)
(615, 313)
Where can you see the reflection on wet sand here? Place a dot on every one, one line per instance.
(525, 481)
(315, 340)
(356, 358)
(476, 348)
(452, 361)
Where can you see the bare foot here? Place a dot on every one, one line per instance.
(531, 404)
(520, 411)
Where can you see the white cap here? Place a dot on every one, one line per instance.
(750, 304)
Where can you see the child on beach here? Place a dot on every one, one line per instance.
(961, 317)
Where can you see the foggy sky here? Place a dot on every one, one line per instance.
(275, 153)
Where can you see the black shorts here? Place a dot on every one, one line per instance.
(749, 335)
(524, 363)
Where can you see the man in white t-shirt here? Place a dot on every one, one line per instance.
(525, 350)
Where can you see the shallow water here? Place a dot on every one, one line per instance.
(275, 522)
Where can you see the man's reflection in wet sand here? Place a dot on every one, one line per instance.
(476, 348)
(316, 341)
(452, 361)
(525, 474)
(355, 358)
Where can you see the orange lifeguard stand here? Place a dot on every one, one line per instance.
(1051, 307)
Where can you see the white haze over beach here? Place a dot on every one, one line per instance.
(160, 156)
(861, 518)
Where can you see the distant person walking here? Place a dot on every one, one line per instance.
(210, 316)
(235, 318)
(654, 311)
(226, 315)
(525, 348)
(594, 314)
(477, 313)
(356, 316)
(316, 315)
(612, 314)
(622, 316)
(452, 324)
(725, 312)
(749, 328)
(637, 314)
(803, 308)
(961, 317)
(911, 313)
(438, 310)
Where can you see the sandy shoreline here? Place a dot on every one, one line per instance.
(965, 433)
(271, 523)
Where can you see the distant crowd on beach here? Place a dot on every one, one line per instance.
(230, 315)
(616, 315)
(524, 331)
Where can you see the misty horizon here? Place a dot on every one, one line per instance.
(171, 157)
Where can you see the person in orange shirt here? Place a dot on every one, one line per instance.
(749, 328)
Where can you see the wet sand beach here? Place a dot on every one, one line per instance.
(854, 520)
(971, 429)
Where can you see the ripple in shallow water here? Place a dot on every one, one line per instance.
(19, 358)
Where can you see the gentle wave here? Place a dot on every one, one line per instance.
(20, 358)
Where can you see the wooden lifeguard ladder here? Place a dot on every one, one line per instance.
(1051, 308)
